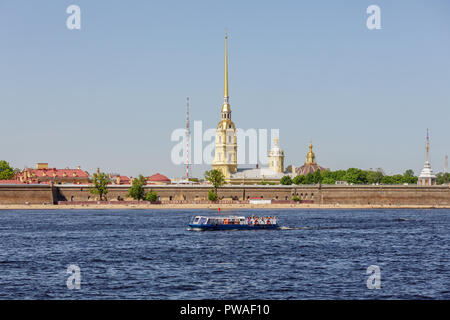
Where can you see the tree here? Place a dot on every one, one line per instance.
(286, 180)
(374, 176)
(212, 195)
(295, 198)
(408, 177)
(300, 179)
(151, 196)
(136, 191)
(442, 178)
(355, 176)
(328, 180)
(6, 171)
(100, 187)
(387, 180)
(409, 173)
(216, 178)
(316, 177)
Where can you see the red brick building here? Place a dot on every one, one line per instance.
(43, 174)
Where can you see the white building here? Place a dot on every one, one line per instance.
(427, 177)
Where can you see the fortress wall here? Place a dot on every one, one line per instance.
(21, 194)
(356, 195)
(386, 195)
(363, 195)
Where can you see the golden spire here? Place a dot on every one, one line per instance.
(225, 89)
(226, 110)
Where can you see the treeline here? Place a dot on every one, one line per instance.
(351, 176)
(442, 178)
(6, 171)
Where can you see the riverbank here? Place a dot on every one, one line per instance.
(229, 206)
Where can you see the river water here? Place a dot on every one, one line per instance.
(149, 254)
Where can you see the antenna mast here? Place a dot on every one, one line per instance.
(188, 138)
(446, 164)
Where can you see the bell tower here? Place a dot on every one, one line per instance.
(276, 157)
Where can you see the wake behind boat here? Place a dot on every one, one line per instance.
(232, 223)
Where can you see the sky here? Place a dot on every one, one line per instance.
(110, 94)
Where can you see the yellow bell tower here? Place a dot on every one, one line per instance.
(225, 157)
(276, 158)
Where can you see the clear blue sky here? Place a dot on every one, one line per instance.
(110, 94)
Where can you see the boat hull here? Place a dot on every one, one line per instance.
(212, 227)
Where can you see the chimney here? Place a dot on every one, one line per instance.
(41, 165)
(79, 167)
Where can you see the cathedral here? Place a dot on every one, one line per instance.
(225, 157)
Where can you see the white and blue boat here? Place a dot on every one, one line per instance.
(232, 223)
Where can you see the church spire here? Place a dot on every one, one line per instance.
(226, 109)
(225, 88)
(427, 147)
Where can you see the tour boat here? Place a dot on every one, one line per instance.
(232, 223)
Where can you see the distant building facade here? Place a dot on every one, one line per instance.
(272, 174)
(43, 174)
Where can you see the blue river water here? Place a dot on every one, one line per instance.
(149, 254)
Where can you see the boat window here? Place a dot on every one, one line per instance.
(196, 219)
(203, 220)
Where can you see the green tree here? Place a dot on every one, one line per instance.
(328, 180)
(408, 177)
(100, 187)
(397, 179)
(151, 196)
(387, 180)
(442, 178)
(300, 179)
(216, 178)
(355, 176)
(212, 195)
(317, 177)
(6, 171)
(137, 191)
(309, 179)
(286, 180)
(409, 173)
(295, 198)
(374, 176)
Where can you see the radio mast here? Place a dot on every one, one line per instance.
(188, 138)
(446, 164)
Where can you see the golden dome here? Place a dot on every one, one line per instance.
(310, 156)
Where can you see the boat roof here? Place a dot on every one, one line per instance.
(222, 217)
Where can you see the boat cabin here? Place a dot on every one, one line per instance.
(202, 220)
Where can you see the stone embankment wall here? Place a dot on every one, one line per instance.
(325, 194)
